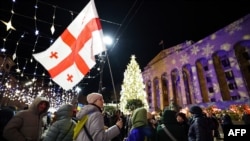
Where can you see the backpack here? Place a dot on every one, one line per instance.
(79, 126)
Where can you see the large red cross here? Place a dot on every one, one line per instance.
(76, 45)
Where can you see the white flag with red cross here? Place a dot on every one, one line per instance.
(72, 55)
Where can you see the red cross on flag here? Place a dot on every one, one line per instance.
(72, 55)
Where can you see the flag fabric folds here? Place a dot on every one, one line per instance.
(72, 55)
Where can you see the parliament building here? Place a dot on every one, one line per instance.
(214, 70)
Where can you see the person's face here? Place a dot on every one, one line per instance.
(179, 119)
(42, 107)
(99, 102)
(209, 115)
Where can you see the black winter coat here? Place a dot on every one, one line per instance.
(199, 129)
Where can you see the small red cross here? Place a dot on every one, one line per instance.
(70, 77)
(53, 54)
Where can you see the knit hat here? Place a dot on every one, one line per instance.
(92, 97)
(195, 110)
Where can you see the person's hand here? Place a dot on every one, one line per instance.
(119, 123)
(153, 121)
(106, 127)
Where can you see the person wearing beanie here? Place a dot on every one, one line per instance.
(196, 110)
(199, 129)
(95, 123)
(93, 97)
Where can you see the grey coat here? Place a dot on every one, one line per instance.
(26, 125)
(95, 125)
(63, 128)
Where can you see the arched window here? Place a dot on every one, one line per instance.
(202, 69)
(165, 89)
(188, 83)
(149, 93)
(242, 53)
(157, 94)
(175, 79)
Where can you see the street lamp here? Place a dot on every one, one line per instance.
(108, 41)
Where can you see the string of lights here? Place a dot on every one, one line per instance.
(37, 80)
(23, 40)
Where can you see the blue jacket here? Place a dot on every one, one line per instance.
(140, 129)
(139, 133)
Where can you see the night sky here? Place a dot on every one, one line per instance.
(137, 25)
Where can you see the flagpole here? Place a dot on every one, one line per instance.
(102, 62)
(112, 80)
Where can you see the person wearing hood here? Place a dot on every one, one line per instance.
(95, 123)
(27, 125)
(63, 128)
(200, 127)
(140, 130)
(170, 122)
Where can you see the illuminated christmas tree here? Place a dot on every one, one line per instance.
(133, 88)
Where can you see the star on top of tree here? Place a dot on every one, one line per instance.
(133, 57)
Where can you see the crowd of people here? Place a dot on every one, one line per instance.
(35, 123)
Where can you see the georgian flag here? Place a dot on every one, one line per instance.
(72, 55)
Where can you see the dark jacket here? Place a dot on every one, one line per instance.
(169, 120)
(226, 120)
(200, 129)
(5, 115)
(246, 118)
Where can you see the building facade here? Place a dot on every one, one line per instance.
(214, 69)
